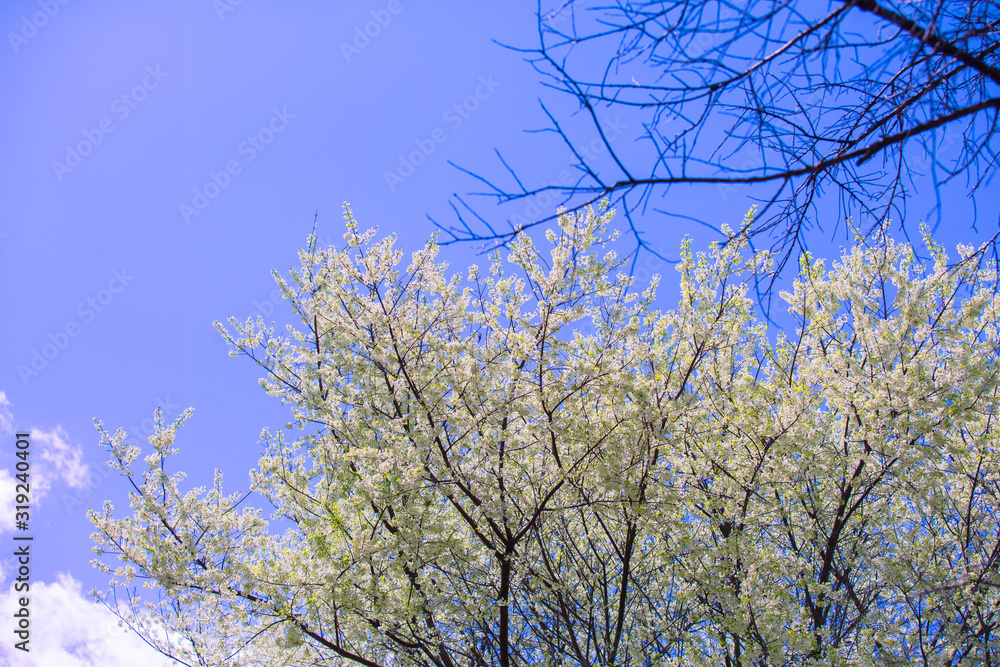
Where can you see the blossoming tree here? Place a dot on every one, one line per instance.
(536, 467)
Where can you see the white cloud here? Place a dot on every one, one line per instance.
(6, 418)
(53, 458)
(69, 629)
(62, 459)
(7, 493)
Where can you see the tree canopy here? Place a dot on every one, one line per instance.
(531, 464)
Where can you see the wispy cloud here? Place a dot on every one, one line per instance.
(55, 459)
(6, 418)
(7, 493)
(61, 459)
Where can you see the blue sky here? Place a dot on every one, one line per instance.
(159, 159)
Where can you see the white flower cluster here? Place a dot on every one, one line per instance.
(478, 482)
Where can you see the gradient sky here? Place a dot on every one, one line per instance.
(159, 160)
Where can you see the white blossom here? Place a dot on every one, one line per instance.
(538, 467)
